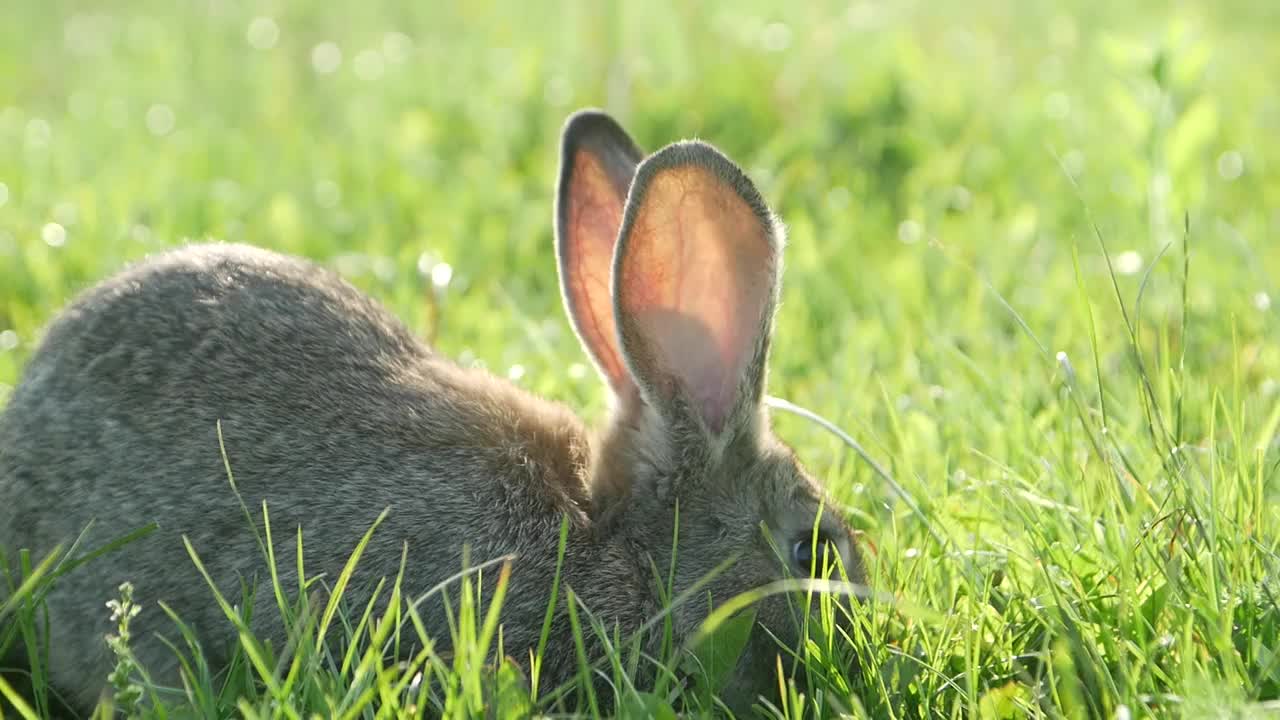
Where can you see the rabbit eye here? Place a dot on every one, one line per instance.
(802, 552)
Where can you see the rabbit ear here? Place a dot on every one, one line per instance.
(695, 282)
(597, 162)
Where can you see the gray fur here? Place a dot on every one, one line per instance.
(331, 412)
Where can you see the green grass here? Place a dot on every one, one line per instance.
(1031, 255)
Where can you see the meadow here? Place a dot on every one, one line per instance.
(1030, 270)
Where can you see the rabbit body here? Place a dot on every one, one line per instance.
(331, 412)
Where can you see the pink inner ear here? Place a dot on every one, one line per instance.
(595, 212)
(698, 279)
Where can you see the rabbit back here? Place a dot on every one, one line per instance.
(330, 412)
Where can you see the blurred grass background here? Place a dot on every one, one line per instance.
(938, 165)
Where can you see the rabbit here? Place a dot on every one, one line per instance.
(330, 411)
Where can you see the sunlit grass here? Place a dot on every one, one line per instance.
(1029, 270)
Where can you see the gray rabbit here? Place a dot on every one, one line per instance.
(331, 412)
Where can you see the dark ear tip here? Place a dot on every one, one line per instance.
(696, 153)
(593, 132)
(587, 115)
(596, 132)
(591, 122)
(700, 154)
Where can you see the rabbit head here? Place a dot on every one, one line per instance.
(669, 268)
